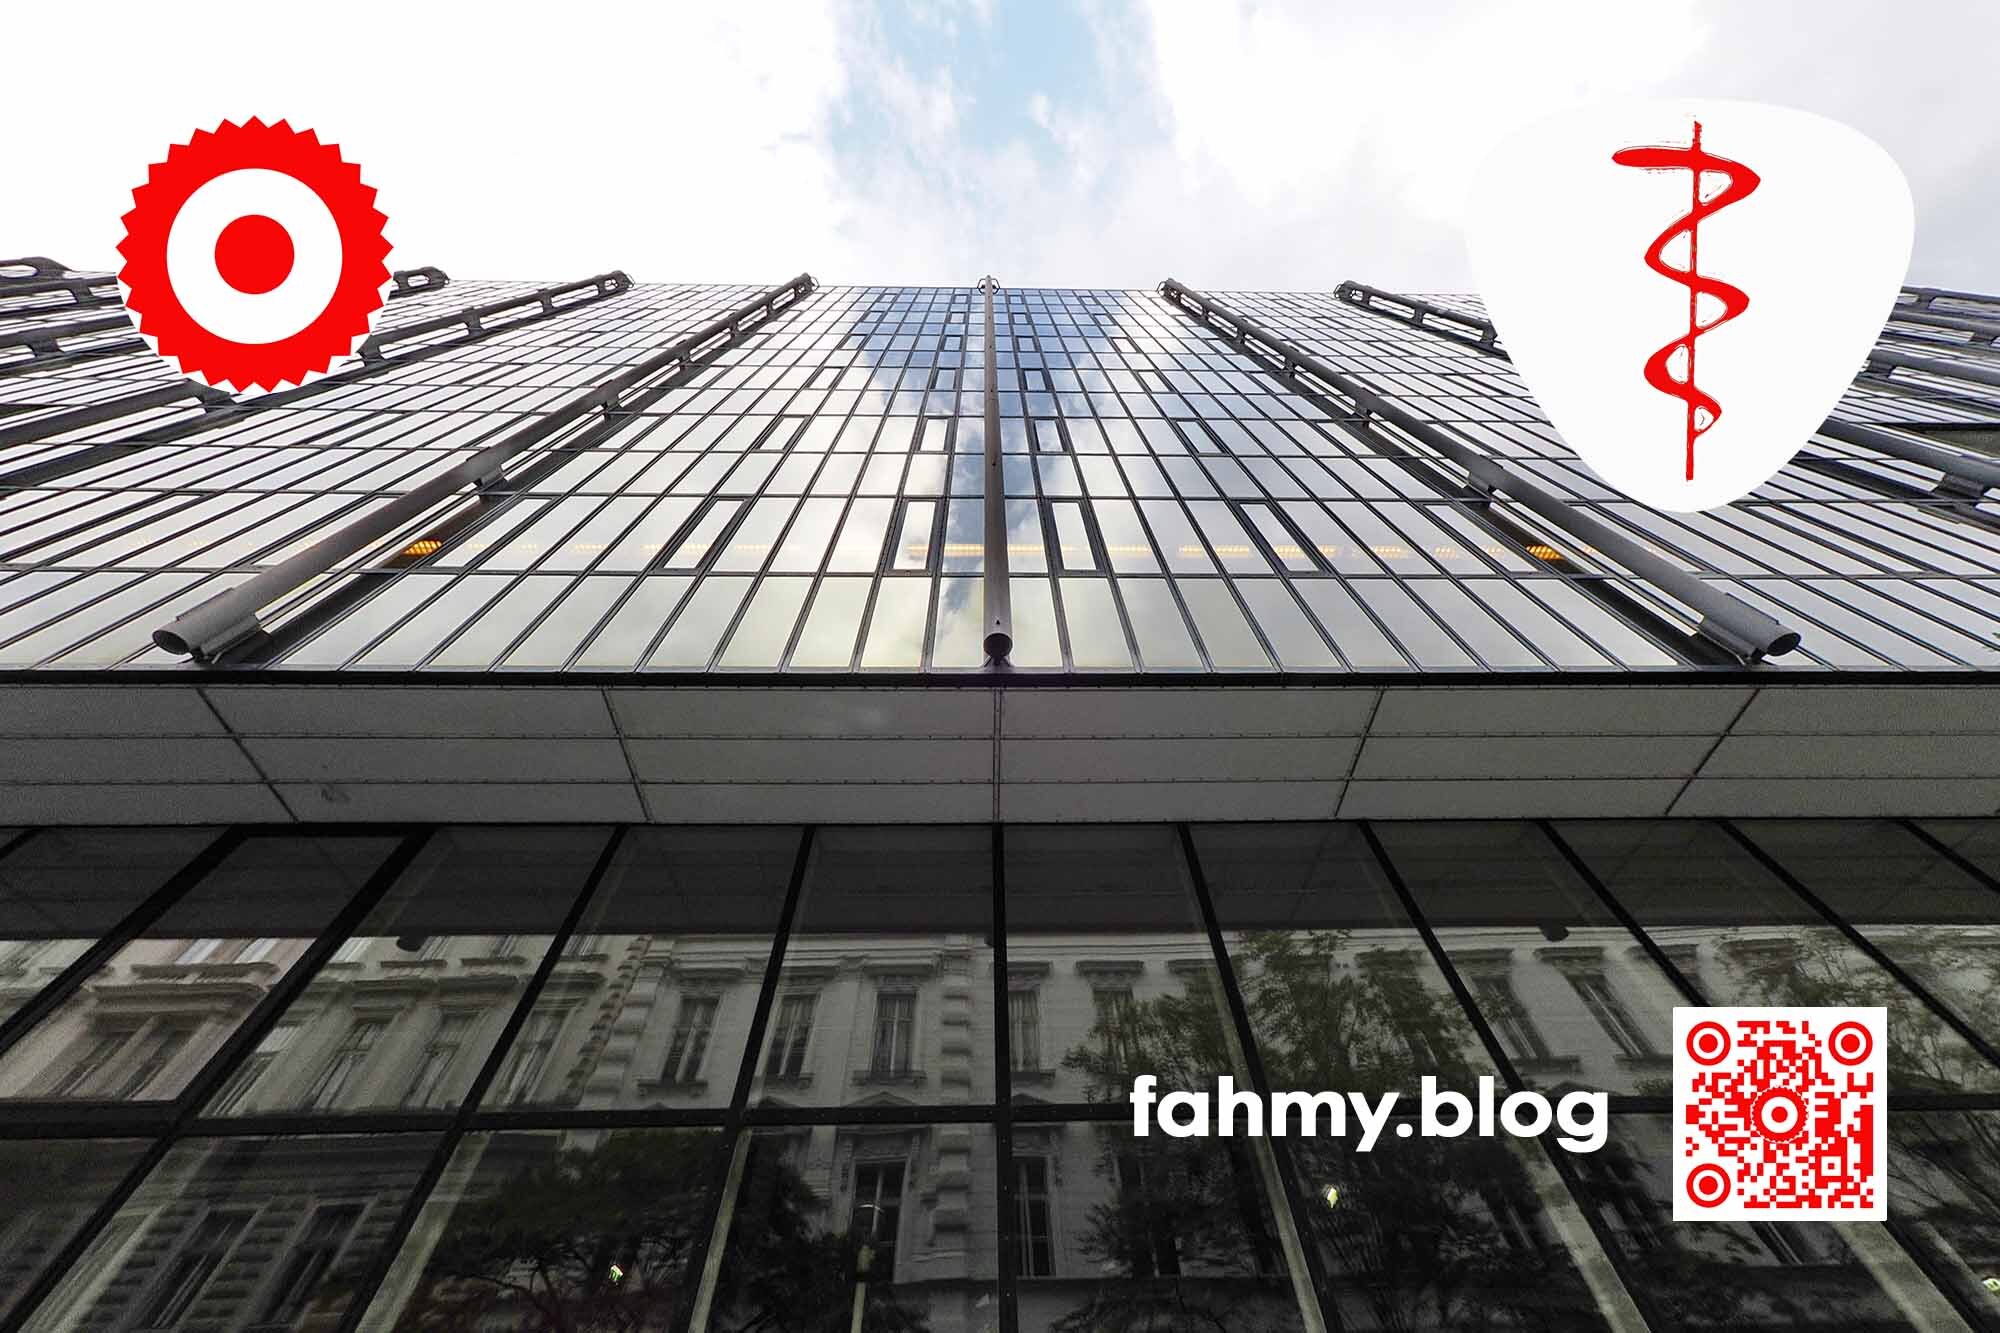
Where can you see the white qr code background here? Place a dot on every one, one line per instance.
(1780, 1114)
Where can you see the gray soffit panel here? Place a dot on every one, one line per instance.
(699, 753)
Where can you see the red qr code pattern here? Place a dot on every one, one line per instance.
(1783, 1114)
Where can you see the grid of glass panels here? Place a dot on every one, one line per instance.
(666, 1078)
(1870, 579)
(808, 500)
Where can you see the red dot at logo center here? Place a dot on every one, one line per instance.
(253, 254)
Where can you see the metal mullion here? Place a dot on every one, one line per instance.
(87, 1120)
(185, 1108)
(1950, 854)
(1681, 982)
(1253, 1062)
(815, 1116)
(453, 1133)
(1007, 1230)
(528, 1118)
(316, 1122)
(1173, 579)
(1939, 1009)
(1558, 1162)
(1045, 1113)
(240, 1043)
(733, 1156)
(67, 1258)
(1895, 1227)
(51, 996)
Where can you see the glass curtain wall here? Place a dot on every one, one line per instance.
(736, 1079)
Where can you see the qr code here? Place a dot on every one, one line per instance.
(1780, 1114)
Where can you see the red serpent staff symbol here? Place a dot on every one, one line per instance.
(1742, 180)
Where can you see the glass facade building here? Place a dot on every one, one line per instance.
(536, 829)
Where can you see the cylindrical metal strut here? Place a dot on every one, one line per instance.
(999, 626)
(230, 616)
(1725, 620)
(1964, 475)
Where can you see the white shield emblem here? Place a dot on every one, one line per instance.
(1687, 287)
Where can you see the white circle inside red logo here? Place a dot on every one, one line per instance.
(1780, 1114)
(1707, 1043)
(1708, 1185)
(1851, 1043)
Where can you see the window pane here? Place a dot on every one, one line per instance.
(52, 1187)
(405, 1013)
(1739, 1274)
(148, 1020)
(886, 992)
(1569, 993)
(63, 889)
(1944, 1187)
(1101, 922)
(1155, 1233)
(1926, 914)
(1744, 937)
(243, 1233)
(1431, 1233)
(556, 1231)
(1342, 994)
(878, 1228)
(671, 949)
(1977, 840)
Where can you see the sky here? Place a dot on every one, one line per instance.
(1103, 143)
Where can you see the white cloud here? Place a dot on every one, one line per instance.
(679, 142)
(1283, 143)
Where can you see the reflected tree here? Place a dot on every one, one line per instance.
(575, 1240)
(582, 1240)
(1817, 965)
(1427, 1232)
(784, 1272)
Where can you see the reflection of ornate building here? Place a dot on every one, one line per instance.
(144, 1026)
(243, 1234)
(586, 1190)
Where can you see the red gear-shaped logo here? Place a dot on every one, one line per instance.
(254, 256)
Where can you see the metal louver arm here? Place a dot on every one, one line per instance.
(410, 281)
(1965, 477)
(1881, 358)
(49, 275)
(1922, 297)
(1469, 329)
(45, 341)
(1728, 621)
(94, 414)
(477, 321)
(1983, 331)
(999, 590)
(230, 616)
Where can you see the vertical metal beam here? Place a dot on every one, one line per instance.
(496, 1059)
(705, 1259)
(999, 592)
(1288, 1211)
(1571, 1177)
(1008, 1230)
